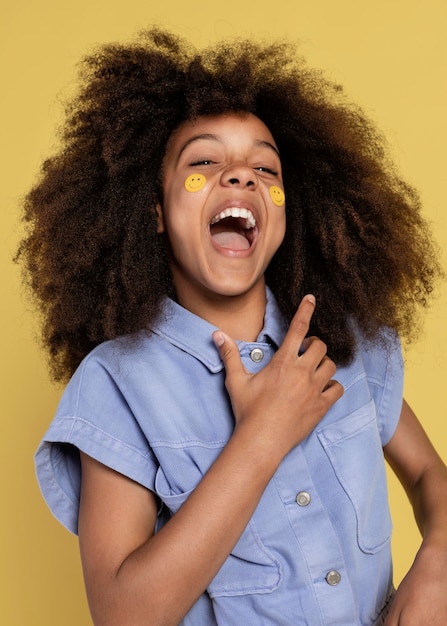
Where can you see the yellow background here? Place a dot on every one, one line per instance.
(390, 55)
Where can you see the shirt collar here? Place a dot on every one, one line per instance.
(193, 335)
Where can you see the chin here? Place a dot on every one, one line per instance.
(234, 290)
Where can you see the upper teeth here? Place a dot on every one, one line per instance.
(246, 214)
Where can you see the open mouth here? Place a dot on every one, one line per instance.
(233, 229)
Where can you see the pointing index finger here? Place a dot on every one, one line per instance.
(299, 326)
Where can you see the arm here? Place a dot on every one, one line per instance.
(132, 575)
(422, 596)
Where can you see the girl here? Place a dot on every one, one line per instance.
(225, 259)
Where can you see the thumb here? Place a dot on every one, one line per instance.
(229, 354)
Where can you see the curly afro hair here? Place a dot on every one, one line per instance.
(92, 256)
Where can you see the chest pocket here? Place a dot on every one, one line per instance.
(249, 569)
(354, 449)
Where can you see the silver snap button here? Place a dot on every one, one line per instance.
(303, 498)
(256, 355)
(333, 578)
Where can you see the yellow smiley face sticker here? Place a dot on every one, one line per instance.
(195, 182)
(277, 195)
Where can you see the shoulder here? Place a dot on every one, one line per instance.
(381, 364)
(381, 358)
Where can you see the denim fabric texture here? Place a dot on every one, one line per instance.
(154, 408)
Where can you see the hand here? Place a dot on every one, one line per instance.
(421, 598)
(285, 400)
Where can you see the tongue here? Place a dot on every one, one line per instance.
(231, 240)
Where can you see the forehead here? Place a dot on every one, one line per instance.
(223, 128)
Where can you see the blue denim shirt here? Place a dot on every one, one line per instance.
(154, 408)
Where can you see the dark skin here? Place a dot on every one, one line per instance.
(421, 595)
(268, 424)
(139, 559)
(355, 236)
(126, 566)
(266, 429)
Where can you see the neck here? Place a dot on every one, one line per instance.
(241, 316)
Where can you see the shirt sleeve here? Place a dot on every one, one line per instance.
(385, 371)
(93, 417)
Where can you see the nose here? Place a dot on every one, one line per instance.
(239, 175)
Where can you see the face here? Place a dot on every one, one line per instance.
(223, 206)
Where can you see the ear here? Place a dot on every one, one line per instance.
(160, 220)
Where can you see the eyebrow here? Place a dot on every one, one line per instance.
(211, 137)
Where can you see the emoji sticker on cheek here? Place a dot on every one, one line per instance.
(277, 195)
(195, 182)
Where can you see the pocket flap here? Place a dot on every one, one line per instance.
(354, 449)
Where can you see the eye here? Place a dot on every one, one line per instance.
(267, 170)
(201, 162)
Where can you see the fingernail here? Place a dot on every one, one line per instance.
(311, 298)
(218, 339)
